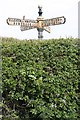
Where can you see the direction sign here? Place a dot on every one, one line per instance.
(54, 21)
(40, 23)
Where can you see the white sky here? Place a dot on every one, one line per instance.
(29, 8)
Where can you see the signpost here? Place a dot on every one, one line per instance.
(40, 23)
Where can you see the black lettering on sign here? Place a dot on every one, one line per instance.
(58, 21)
(53, 21)
(50, 21)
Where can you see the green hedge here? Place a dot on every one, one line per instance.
(40, 79)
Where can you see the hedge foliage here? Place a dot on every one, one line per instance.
(40, 79)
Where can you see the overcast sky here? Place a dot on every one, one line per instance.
(29, 8)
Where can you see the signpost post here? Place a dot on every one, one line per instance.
(40, 23)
